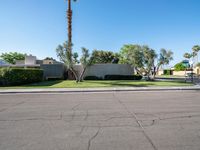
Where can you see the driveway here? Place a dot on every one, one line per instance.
(101, 121)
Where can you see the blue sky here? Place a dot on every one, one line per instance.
(38, 26)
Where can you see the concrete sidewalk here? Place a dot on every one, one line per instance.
(71, 90)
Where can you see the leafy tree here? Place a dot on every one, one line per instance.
(11, 57)
(126, 53)
(86, 60)
(102, 57)
(75, 58)
(180, 67)
(149, 60)
(141, 57)
(66, 57)
(49, 58)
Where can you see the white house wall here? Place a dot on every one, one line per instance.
(100, 70)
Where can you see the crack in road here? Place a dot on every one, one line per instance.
(74, 111)
(134, 116)
(4, 109)
(86, 116)
(108, 126)
(92, 138)
(179, 117)
(61, 116)
(31, 119)
(152, 122)
(123, 117)
(81, 131)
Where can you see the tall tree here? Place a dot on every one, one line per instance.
(11, 57)
(140, 57)
(165, 57)
(149, 61)
(133, 55)
(187, 55)
(66, 57)
(196, 50)
(103, 57)
(69, 18)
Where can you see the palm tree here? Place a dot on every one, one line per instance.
(69, 18)
(195, 50)
(165, 57)
(187, 55)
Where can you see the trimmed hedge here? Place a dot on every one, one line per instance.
(92, 78)
(167, 72)
(122, 77)
(19, 76)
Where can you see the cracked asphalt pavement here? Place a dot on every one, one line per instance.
(162, 120)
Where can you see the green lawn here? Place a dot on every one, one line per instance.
(96, 84)
(169, 76)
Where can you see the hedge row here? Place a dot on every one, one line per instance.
(93, 78)
(115, 77)
(167, 72)
(19, 76)
(122, 77)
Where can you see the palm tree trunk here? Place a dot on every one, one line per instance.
(69, 17)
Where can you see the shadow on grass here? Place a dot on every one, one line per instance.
(123, 83)
(98, 83)
(43, 83)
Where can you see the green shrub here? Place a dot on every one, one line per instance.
(167, 72)
(92, 78)
(19, 76)
(1, 80)
(180, 67)
(122, 77)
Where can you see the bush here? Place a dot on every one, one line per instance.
(92, 78)
(180, 67)
(19, 76)
(1, 80)
(167, 72)
(123, 77)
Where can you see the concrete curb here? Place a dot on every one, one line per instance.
(84, 90)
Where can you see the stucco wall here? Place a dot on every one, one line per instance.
(53, 70)
(197, 70)
(30, 60)
(160, 72)
(100, 70)
(180, 73)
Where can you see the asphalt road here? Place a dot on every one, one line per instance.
(101, 121)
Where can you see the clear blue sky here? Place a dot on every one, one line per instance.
(38, 26)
